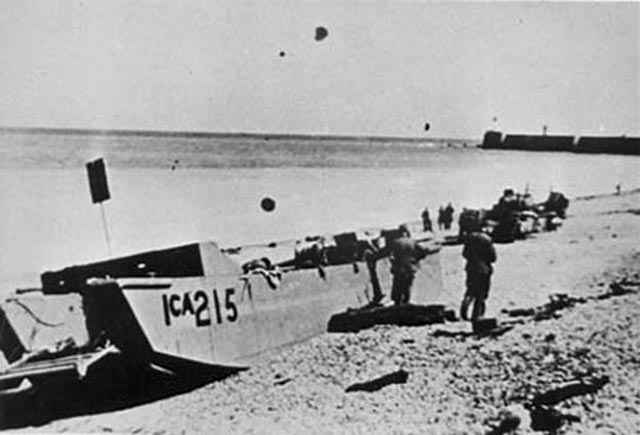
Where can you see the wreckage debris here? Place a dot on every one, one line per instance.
(397, 377)
(354, 320)
(561, 301)
(489, 327)
(452, 334)
(557, 302)
(520, 312)
(544, 418)
(283, 381)
(619, 288)
(570, 389)
(509, 423)
(481, 326)
(542, 414)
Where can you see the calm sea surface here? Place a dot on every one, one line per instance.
(172, 190)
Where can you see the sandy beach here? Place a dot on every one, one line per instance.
(457, 383)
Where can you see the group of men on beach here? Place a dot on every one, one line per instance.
(405, 254)
(445, 218)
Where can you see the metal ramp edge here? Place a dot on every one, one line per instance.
(80, 363)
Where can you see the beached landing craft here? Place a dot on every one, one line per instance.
(513, 217)
(193, 303)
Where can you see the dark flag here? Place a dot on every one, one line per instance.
(98, 181)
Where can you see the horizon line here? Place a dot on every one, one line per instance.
(212, 134)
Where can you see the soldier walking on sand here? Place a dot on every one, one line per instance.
(479, 253)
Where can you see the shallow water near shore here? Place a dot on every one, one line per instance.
(168, 191)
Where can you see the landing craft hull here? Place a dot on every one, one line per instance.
(155, 311)
(234, 322)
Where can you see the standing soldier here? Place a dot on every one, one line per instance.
(479, 253)
(426, 220)
(441, 218)
(405, 254)
(448, 216)
(370, 256)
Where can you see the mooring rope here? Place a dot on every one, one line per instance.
(34, 315)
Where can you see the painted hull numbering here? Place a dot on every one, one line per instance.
(189, 304)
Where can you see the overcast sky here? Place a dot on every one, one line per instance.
(385, 68)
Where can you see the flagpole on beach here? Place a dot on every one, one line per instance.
(106, 229)
(100, 192)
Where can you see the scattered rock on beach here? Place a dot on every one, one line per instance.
(397, 377)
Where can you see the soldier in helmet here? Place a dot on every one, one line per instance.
(405, 256)
(480, 254)
(448, 216)
(426, 220)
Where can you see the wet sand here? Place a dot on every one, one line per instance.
(457, 383)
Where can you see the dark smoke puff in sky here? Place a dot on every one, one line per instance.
(268, 204)
(321, 33)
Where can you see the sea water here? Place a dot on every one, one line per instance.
(171, 190)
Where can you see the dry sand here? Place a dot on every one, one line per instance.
(457, 384)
